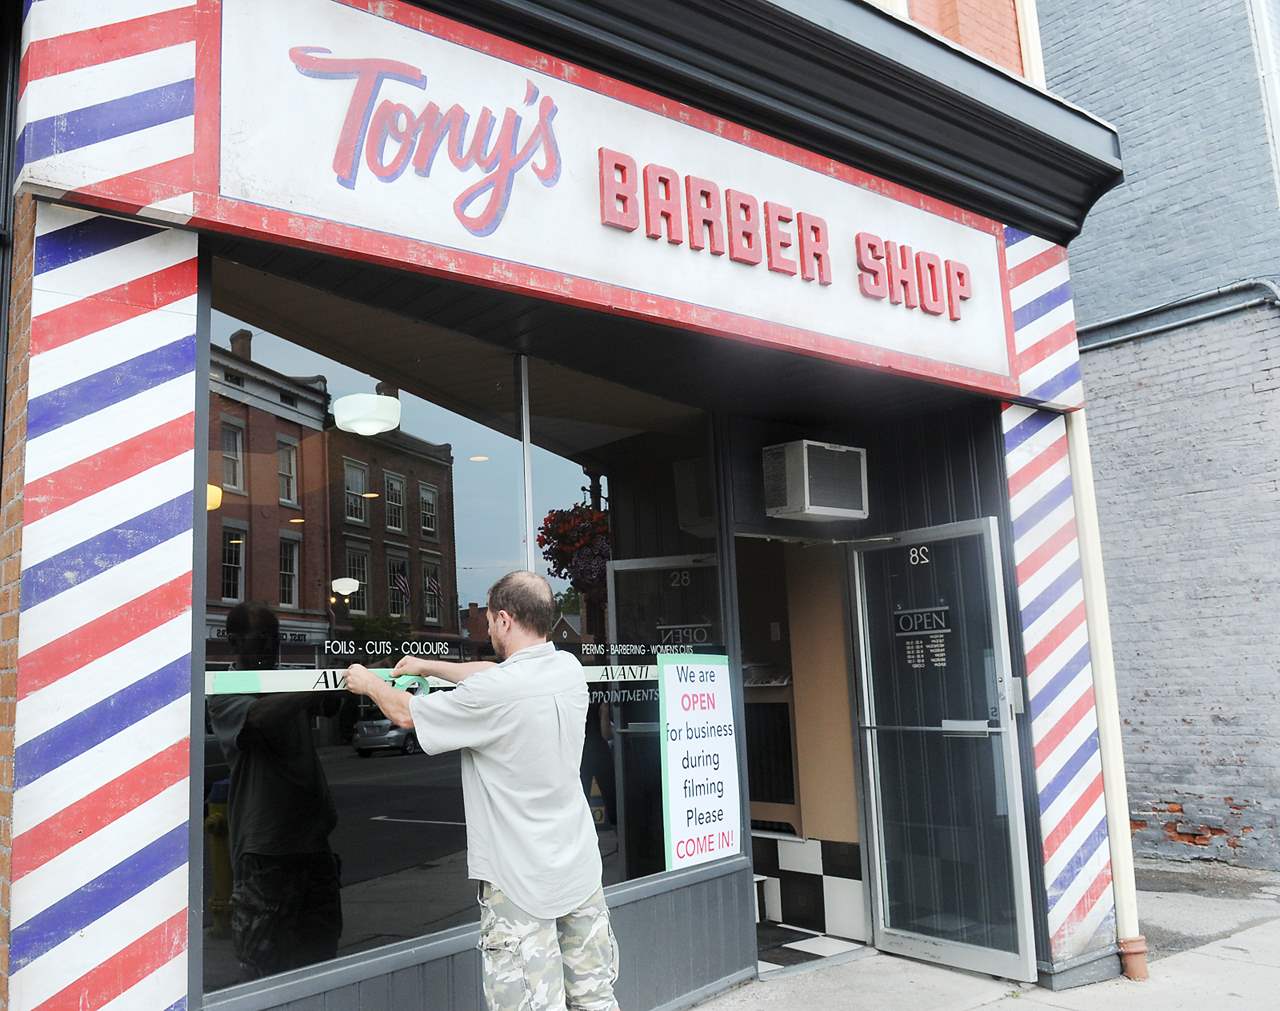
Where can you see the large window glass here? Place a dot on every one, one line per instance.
(341, 546)
(626, 532)
(353, 542)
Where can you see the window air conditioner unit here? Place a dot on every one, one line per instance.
(806, 480)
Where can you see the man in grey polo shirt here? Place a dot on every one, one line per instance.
(545, 935)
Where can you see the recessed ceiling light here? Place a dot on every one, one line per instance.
(478, 458)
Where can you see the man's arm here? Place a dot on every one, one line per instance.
(446, 670)
(393, 702)
(268, 710)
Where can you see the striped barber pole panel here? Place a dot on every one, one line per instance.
(106, 102)
(1064, 727)
(102, 725)
(1047, 361)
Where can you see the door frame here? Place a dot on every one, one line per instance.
(1018, 965)
(705, 560)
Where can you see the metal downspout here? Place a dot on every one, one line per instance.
(1133, 946)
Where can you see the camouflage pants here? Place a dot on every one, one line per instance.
(532, 964)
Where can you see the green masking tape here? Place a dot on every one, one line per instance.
(268, 682)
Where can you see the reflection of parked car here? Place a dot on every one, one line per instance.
(374, 732)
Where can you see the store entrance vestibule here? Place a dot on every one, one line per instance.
(880, 725)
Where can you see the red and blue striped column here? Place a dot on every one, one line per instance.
(106, 103)
(102, 724)
(1051, 604)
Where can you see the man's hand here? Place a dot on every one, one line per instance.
(412, 666)
(393, 702)
(362, 681)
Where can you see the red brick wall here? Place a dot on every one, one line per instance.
(15, 426)
(986, 27)
(380, 457)
(262, 510)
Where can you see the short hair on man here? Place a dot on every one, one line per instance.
(527, 597)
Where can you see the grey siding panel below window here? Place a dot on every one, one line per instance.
(677, 937)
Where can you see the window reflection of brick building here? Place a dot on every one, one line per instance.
(391, 510)
(266, 521)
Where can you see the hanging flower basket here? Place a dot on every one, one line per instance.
(575, 543)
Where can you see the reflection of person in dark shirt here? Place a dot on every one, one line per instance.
(597, 758)
(285, 908)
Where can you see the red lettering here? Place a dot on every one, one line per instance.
(932, 283)
(743, 213)
(662, 202)
(959, 286)
(696, 846)
(314, 61)
(619, 207)
(778, 238)
(703, 199)
(697, 700)
(902, 274)
(815, 260)
(395, 123)
(435, 129)
(872, 279)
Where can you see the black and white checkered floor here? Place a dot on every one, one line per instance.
(779, 945)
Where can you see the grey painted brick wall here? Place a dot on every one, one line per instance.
(1180, 82)
(1185, 433)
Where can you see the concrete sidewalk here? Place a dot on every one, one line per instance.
(1214, 931)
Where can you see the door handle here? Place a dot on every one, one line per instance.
(966, 728)
(637, 728)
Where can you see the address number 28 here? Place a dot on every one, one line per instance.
(919, 556)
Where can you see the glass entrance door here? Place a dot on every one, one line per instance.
(949, 858)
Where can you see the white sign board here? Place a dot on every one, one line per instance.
(701, 804)
(423, 140)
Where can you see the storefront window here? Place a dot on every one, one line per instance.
(342, 547)
(627, 524)
(624, 527)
